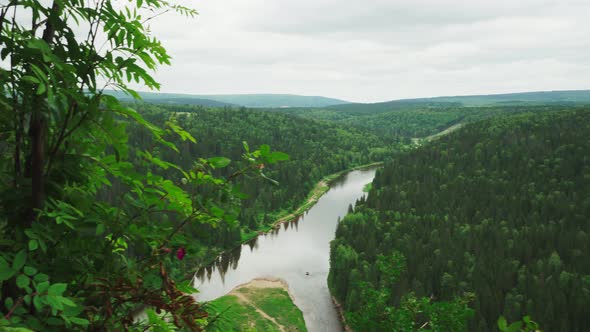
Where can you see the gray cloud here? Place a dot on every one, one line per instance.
(377, 50)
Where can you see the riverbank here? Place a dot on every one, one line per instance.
(299, 255)
(317, 192)
(341, 316)
(261, 305)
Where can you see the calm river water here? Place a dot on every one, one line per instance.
(297, 248)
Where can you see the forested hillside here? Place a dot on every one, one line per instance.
(402, 120)
(535, 97)
(315, 149)
(498, 209)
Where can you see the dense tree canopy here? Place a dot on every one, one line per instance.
(316, 149)
(498, 209)
(402, 120)
(70, 260)
(101, 201)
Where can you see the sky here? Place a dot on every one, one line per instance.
(376, 50)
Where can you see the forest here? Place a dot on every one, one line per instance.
(109, 204)
(492, 216)
(315, 150)
(405, 119)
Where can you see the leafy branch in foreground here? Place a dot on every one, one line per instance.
(72, 256)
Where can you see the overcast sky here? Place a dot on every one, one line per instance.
(377, 50)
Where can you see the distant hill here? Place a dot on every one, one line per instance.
(422, 117)
(189, 101)
(247, 100)
(571, 96)
(276, 100)
(528, 98)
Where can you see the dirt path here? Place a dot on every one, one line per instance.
(261, 283)
(246, 300)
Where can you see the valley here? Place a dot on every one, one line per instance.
(243, 165)
(276, 219)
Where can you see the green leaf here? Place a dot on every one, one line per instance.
(219, 162)
(217, 212)
(54, 321)
(264, 150)
(22, 281)
(37, 303)
(184, 135)
(33, 245)
(502, 324)
(42, 287)
(278, 156)
(31, 79)
(156, 321)
(100, 229)
(73, 311)
(66, 301)
(152, 281)
(57, 289)
(514, 327)
(30, 271)
(54, 303)
(5, 271)
(79, 321)
(8, 303)
(41, 89)
(187, 287)
(41, 277)
(19, 260)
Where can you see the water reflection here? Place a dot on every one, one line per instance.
(231, 258)
(298, 252)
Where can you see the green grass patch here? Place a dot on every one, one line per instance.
(231, 313)
(277, 303)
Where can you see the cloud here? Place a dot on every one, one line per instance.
(377, 50)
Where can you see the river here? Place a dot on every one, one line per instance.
(298, 252)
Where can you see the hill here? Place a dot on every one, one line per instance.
(497, 209)
(246, 100)
(538, 97)
(406, 120)
(417, 118)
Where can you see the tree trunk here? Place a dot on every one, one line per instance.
(38, 130)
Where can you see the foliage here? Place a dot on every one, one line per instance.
(373, 309)
(497, 209)
(402, 120)
(316, 149)
(524, 325)
(71, 259)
